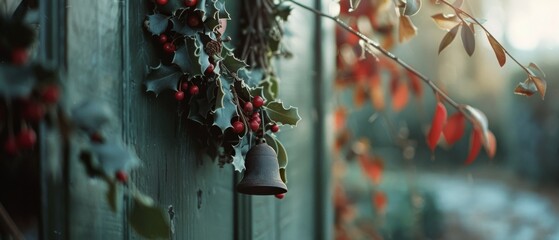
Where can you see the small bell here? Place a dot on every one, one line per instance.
(262, 175)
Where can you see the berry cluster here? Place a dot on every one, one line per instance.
(19, 116)
(251, 115)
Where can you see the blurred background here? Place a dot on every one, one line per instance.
(388, 184)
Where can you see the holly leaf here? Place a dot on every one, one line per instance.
(407, 30)
(232, 63)
(180, 25)
(270, 86)
(283, 175)
(228, 109)
(92, 115)
(162, 78)
(449, 37)
(187, 58)
(113, 156)
(203, 57)
(273, 142)
(194, 112)
(446, 21)
(171, 7)
(283, 10)
(157, 23)
(526, 88)
(499, 51)
(280, 114)
(148, 220)
(238, 159)
(16, 81)
(468, 39)
(221, 11)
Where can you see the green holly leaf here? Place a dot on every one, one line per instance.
(271, 87)
(283, 175)
(238, 158)
(280, 114)
(283, 11)
(187, 58)
(203, 57)
(162, 78)
(273, 142)
(157, 23)
(232, 63)
(220, 94)
(212, 20)
(148, 220)
(194, 112)
(16, 81)
(180, 26)
(222, 12)
(171, 7)
(228, 109)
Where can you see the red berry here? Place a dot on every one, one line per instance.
(210, 69)
(50, 94)
(254, 125)
(190, 3)
(184, 86)
(193, 20)
(248, 107)
(169, 47)
(33, 112)
(258, 101)
(238, 127)
(121, 176)
(10, 146)
(256, 115)
(163, 38)
(193, 90)
(26, 139)
(19, 56)
(161, 2)
(96, 137)
(257, 119)
(274, 128)
(179, 95)
(280, 196)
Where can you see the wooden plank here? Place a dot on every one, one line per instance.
(172, 172)
(94, 72)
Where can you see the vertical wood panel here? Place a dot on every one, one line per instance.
(172, 172)
(94, 72)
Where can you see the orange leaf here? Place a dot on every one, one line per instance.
(454, 128)
(449, 37)
(340, 116)
(380, 201)
(376, 94)
(526, 88)
(499, 51)
(541, 85)
(359, 96)
(372, 168)
(475, 145)
(415, 84)
(400, 94)
(445, 21)
(439, 119)
(407, 29)
(536, 70)
(491, 146)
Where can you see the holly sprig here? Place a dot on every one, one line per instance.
(229, 105)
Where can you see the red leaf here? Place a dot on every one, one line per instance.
(372, 168)
(439, 119)
(491, 146)
(359, 96)
(475, 145)
(340, 116)
(380, 201)
(375, 93)
(415, 84)
(400, 94)
(454, 128)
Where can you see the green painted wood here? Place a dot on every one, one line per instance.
(172, 172)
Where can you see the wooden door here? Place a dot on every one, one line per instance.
(105, 53)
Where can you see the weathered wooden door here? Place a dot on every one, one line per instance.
(104, 52)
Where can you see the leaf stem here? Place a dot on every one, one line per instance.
(460, 11)
(385, 52)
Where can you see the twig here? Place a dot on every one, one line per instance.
(386, 53)
(460, 11)
(12, 227)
